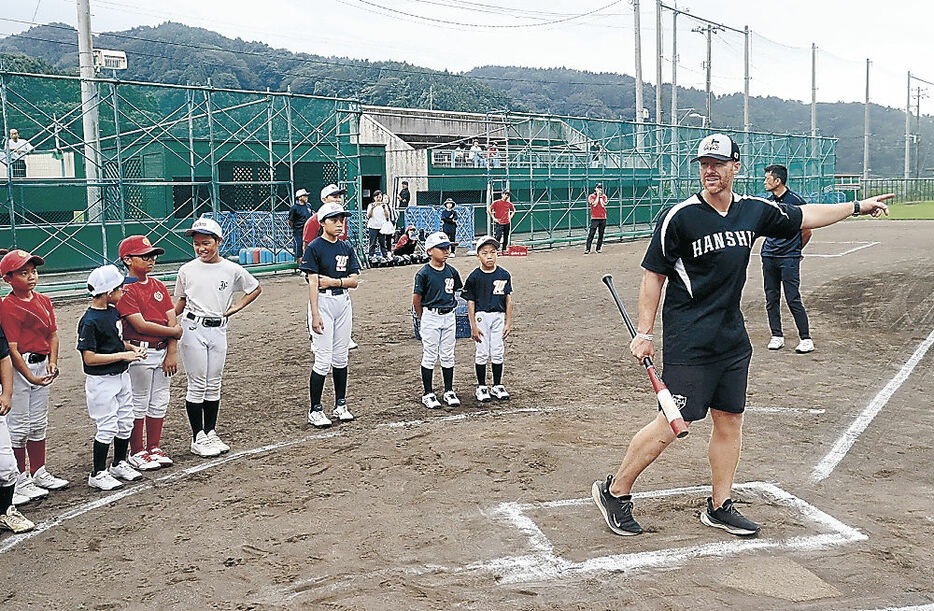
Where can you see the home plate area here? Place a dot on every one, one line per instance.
(564, 542)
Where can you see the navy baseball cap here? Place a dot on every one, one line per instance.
(717, 146)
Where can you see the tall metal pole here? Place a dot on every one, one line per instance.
(709, 94)
(746, 122)
(908, 133)
(813, 90)
(675, 136)
(9, 166)
(658, 62)
(866, 127)
(635, 9)
(90, 120)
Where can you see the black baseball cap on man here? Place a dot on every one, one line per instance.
(717, 146)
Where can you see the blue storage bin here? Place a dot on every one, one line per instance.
(284, 256)
(243, 256)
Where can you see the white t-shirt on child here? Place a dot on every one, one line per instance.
(208, 288)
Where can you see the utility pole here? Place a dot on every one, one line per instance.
(674, 67)
(746, 123)
(635, 8)
(814, 91)
(658, 62)
(921, 93)
(866, 127)
(90, 119)
(908, 132)
(431, 97)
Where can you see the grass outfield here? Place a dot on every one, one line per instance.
(911, 212)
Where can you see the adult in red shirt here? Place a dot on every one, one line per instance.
(597, 201)
(502, 212)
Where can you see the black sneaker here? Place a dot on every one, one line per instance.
(616, 510)
(729, 519)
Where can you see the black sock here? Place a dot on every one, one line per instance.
(447, 373)
(120, 448)
(100, 456)
(497, 373)
(6, 497)
(481, 374)
(195, 418)
(340, 383)
(210, 414)
(427, 374)
(315, 388)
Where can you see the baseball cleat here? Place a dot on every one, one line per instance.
(44, 479)
(805, 346)
(599, 251)
(483, 394)
(586, 252)
(431, 401)
(215, 441)
(616, 510)
(19, 499)
(728, 518)
(352, 345)
(142, 461)
(499, 392)
(26, 487)
(104, 481)
(776, 343)
(14, 521)
(317, 419)
(160, 457)
(202, 447)
(450, 398)
(341, 412)
(123, 470)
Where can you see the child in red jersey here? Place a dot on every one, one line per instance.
(29, 325)
(150, 323)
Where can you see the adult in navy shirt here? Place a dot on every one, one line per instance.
(449, 222)
(299, 214)
(781, 266)
(701, 247)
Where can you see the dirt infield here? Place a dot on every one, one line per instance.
(487, 507)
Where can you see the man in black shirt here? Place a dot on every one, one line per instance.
(702, 247)
(781, 266)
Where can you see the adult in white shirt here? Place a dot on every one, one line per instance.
(377, 213)
(17, 148)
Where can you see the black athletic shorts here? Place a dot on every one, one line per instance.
(699, 388)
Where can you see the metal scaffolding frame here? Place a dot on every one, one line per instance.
(200, 131)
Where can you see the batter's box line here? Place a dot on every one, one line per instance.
(544, 565)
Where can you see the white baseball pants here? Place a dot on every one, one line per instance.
(9, 470)
(438, 333)
(28, 420)
(332, 345)
(204, 351)
(150, 385)
(110, 405)
(490, 348)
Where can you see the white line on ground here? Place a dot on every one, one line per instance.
(543, 564)
(861, 246)
(829, 462)
(79, 510)
(466, 415)
(927, 607)
(784, 410)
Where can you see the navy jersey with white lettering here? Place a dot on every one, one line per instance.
(705, 255)
(331, 259)
(101, 332)
(784, 247)
(488, 290)
(437, 286)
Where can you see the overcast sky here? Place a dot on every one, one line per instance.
(460, 34)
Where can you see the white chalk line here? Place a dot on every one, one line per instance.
(467, 415)
(79, 510)
(784, 410)
(862, 245)
(927, 607)
(543, 564)
(839, 450)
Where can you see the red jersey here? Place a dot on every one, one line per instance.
(501, 209)
(597, 206)
(313, 230)
(151, 299)
(29, 324)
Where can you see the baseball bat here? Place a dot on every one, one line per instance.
(665, 400)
